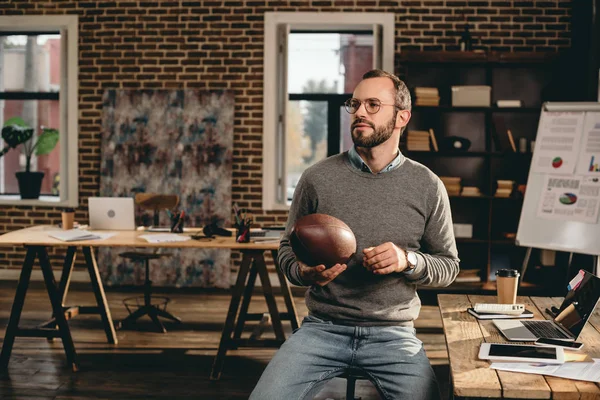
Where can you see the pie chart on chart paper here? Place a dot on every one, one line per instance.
(567, 198)
(557, 162)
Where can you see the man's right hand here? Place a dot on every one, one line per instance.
(320, 275)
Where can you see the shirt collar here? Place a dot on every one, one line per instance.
(357, 162)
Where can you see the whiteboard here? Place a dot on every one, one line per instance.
(539, 232)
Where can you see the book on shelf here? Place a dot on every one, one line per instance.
(503, 192)
(452, 184)
(505, 184)
(427, 96)
(472, 191)
(433, 140)
(433, 102)
(526, 314)
(450, 179)
(453, 190)
(418, 134)
(418, 141)
(426, 90)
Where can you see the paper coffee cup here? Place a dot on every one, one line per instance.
(507, 282)
(68, 220)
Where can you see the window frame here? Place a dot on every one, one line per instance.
(68, 102)
(277, 27)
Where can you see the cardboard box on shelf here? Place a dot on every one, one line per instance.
(471, 96)
(463, 230)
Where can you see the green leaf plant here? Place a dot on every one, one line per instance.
(16, 132)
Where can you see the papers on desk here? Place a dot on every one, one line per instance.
(526, 314)
(581, 371)
(165, 238)
(73, 235)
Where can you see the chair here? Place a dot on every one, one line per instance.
(351, 375)
(156, 203)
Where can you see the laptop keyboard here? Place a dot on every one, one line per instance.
(544, 329)
(258, 234)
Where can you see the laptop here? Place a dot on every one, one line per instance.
(111, 213)
(568, 320)
(259, 235)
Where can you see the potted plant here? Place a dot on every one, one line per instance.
(16, 132)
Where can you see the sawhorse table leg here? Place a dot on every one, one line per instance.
(97, 287)
(253, 265)
(13, 330)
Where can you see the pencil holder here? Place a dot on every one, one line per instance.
(177, 222)
(242, 233)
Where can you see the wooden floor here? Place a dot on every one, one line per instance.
(148, 365)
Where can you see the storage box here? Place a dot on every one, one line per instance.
(471, 96)
(463, 231)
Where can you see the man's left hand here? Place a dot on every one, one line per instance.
(384, 259)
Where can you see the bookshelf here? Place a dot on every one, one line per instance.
(489, 157)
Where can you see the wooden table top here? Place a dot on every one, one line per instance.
(472, 377)
(38, 236)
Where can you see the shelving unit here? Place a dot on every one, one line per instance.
(523, 76)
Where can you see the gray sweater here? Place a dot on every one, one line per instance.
(408, 206)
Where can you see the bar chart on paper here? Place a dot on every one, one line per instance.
(594, 165)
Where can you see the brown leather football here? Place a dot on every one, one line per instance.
(322, 239)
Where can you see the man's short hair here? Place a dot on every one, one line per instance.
(401, 95)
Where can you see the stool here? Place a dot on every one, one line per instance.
(152, 310)
(351, 375)
(155, 202)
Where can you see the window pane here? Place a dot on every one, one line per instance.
(306, 140)
(36, 113)
(30, 63)
(314, 63)
(345, 133)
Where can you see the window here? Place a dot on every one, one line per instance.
(38, 83)
(313, 61)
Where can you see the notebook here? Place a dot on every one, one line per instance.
(567, 321)
(73, 235)
(111, 213)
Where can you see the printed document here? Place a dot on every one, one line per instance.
(581, 371)
(589, 156)
(570, 198)
(557, 144)
(164, 238)
(73, 235)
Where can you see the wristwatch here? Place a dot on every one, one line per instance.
(411, 260)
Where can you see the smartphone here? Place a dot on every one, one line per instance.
(559, 343)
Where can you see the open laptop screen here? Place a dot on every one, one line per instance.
(579, 304)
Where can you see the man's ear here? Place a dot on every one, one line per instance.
(402, 118)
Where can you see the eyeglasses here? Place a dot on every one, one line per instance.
(371, 105)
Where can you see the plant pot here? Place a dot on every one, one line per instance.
(30, 184)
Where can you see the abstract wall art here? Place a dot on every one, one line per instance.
(171, 142)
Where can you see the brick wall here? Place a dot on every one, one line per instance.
(219, 45)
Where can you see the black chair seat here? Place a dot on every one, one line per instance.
(143, 256)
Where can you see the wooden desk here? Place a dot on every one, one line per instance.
(37, 241)
(473, 379)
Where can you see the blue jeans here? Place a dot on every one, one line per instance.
(318, 351)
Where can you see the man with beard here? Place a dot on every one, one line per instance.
(361, 313)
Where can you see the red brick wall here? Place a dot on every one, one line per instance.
(219, 44)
